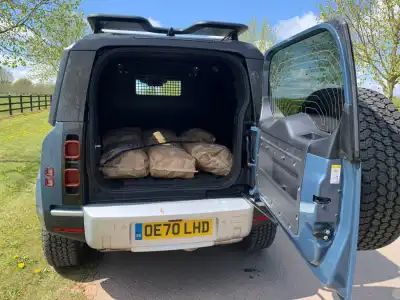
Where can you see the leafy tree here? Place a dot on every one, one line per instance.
(263, 37)
(22, 85)
(34, 32)
(44, 89)
(375, 29)
(6, 77)
(44, 49)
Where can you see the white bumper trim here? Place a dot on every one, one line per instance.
(110, 227)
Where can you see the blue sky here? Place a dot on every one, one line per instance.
(180, 13)
(287, 16)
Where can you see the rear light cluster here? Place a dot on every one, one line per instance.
(72, 149)
(72, 178)
(72, 155)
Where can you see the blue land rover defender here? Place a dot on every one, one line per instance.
(312, 153)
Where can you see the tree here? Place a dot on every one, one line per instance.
(44, 49)
(22, 85)
(375, 29)
(43, 89)
(34, 33)
(6, 77)
(263, 37)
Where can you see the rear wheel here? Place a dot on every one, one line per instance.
(261, 237)
(62, 252)
(380, 163)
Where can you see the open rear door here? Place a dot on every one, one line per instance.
(308, 168)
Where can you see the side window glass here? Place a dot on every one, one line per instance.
(306, 78)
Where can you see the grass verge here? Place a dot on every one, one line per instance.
(24, 272)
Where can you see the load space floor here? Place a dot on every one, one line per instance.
(169, 90)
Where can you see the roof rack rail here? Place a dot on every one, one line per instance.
(100, 22)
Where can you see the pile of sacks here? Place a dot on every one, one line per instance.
(131, 153)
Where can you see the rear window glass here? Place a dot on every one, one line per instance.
(155, 86)
(306, 77)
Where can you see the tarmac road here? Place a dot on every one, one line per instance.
(225, 273)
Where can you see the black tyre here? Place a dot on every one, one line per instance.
(62, 252)
(380, 162)
(261, 237)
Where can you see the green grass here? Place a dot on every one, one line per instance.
(16, 104)
(20, 237)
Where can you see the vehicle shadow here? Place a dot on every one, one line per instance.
(226, 273)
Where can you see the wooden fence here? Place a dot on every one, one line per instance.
(18, 104)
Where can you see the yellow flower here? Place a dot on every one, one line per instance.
(16, 256)
(21, 265)
(37, 271)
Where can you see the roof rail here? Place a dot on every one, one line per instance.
(100, 22)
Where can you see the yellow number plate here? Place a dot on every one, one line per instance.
(173, 229)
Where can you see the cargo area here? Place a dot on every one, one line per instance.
(172, 90)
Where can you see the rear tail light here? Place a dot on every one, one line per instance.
(72, 150)
(72, 178)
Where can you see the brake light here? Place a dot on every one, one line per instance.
(72, 150)
(72, 178)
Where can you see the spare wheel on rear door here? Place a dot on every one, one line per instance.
(380, 162)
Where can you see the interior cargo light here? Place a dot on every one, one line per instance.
(72, 178)
(72, 150)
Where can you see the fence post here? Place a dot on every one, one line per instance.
(21, 105)
(45, 101)
(9, 105)
(38, 96)
(30, 100)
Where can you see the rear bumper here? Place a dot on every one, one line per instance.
(111, 227)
